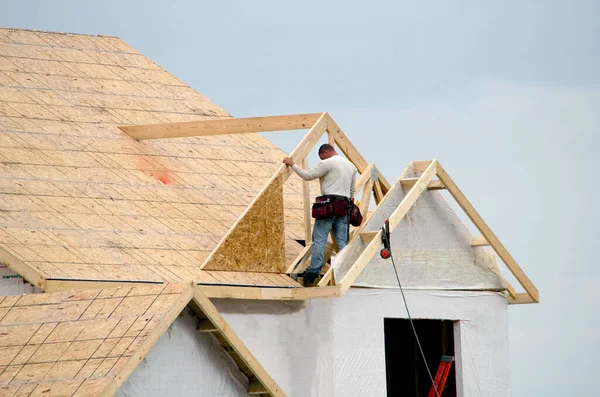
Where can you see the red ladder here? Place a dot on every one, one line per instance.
(440, 378)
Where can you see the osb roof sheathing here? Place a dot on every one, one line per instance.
(77, 344)
(79, 199)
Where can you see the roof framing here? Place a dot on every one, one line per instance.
(434, 168)
(370, 182)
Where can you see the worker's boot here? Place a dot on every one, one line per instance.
(309, 280)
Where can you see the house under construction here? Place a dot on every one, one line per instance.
(149, 243)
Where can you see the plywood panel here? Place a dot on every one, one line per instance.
(257, 242)
(81, 200)
(43, 350)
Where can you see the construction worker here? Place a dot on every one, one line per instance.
(337, 177)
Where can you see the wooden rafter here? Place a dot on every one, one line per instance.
(350, 151)
(307, 206)
(27, 272)
(375, 244)
(222, 126)
(282, 174)
(408, 183)
(429, 170)
(260, 382)
(487, 233)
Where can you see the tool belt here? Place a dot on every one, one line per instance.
(326, 207)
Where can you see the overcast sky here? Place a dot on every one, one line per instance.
(506, 94)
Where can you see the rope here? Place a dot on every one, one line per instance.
(413, 325)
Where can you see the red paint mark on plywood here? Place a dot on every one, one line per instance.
(161, 176)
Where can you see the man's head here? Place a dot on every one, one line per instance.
(326, 151)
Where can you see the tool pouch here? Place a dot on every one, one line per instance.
(340, 207)
(355, 217)
(322, 209)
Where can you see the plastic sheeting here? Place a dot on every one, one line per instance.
(431, 248)
(335, 347)
(327, 348)
(11, 283)
(183, 363)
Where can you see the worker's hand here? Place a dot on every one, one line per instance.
(288, 161)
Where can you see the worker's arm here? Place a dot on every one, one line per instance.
(315, 173)
(353, 185)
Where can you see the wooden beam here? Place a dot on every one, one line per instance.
(327, 277)
(307, 206)
(374, 246)
(365, 198)
(412, 196)
(511, 291)
(283, 172)
(358, 266)
(256, 293)
(149, 342)
(408, 183)
(521, 298)
(420, 166)
(21, 268)
(331, 139)
(487, 233)
(366, 237)
(479, 241)
(359, 229)
(379, 195)
(299, 259)
(257, 388)
(222, 126)
(211, 312)
(364, 177)
(349, 150)
(206, 326)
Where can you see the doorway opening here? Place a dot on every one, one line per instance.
(406, 374)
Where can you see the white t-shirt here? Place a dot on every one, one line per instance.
(336, 175)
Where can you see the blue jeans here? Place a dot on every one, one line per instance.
(339, 224)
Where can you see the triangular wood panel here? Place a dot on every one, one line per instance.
(257, 243)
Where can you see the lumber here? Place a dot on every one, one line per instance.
(364, 177)
(261, 293)
(359, 229)
(282, 174)
(412, 196)
(350, 151)
(206, 326)
(399, 213)
(379, 195)
(479, 241)
(521, 298)
(420, 166)
(307, 206)
(408, 183)
(365, 197)
(221, 126)
(305, 253)
(256, 388)
(236, 343)
(487, 233)
(15, 264)
(511, 291)
(366, 237)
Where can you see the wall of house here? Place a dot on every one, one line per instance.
(336, 347)
(329, 347)
(431, 247)
(186, 363)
